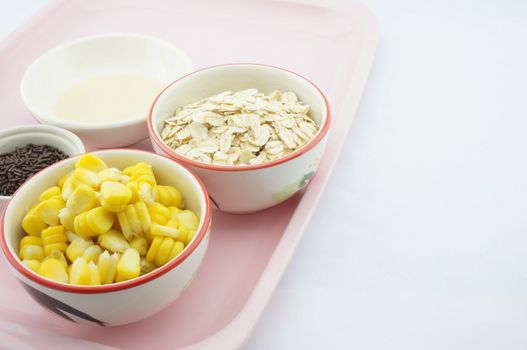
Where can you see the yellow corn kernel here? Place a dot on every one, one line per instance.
(114, 241)
(49, 193)
(54, 270)
(111, 207)
(30, 240)
(159, 213)
(80, 272)
(134, 188)
(76, 248)
(168, 196)
(107, 265)
(62, 180)
(81, 199)
(33, 265)
(48, 210)
(67, 189)
(164, 251)
(154, 248)
(95, 278)
(165, 231)
(141, 172)
(92, 253)
(66, 218)
(110, 174)
(91, 162)
(144, 192)
(33, 224)
(58, 255)
(84, 176)
(81, 227)
(54, 238)
(174, 213)
(115, 193)
(176, 249)
(143, 215)
(140, 244)
(129, 265)
(31, 252)
(146, 266)
(99, 220)
(188, 219)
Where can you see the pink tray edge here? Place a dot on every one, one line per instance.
(239, 329)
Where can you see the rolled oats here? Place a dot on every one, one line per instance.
(240, 128)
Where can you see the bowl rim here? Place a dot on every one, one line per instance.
(297, 153)
(119, 286)
(49, 118)
(75, 141)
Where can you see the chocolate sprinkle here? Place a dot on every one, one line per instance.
(17, 166)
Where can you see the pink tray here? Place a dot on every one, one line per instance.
(331, 44)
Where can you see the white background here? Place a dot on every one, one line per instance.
(420, 241)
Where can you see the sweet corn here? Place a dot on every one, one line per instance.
(129, 265)
(91, 162)
(71, 236)
(140, 244)
(164, 231)
(67, 188)
(31, 252)
(107, 265)
(168, 196)
(33, 224)
(54, 270)
(80, 272)
(188, 219)
(111, 207)
(114, 241)
(146, 266)
(95, 278)
(92, 253)
(141, 172)
(174, 213)
(76, 248)
(81, 199)
(110, 174)
(58, 255)
(190, 236)
(163, 249)
(54, 238)
(115, 193)
(93, 222)
(48, 210)
(49, 193)
(33, 265)
(159, 213)
(62, 180)
(30, 240)
(84, 176)
(66, 218)
(134, 220)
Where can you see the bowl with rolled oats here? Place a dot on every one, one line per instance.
(253, 133)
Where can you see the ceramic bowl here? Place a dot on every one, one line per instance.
(123, 302)
(246, 188)
(20, 136)
(47, 78)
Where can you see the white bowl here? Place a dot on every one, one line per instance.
(56, 71)
(20, 136)
(117, 303)
(246, 188)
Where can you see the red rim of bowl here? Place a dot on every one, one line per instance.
(114, 287)
(311, 144)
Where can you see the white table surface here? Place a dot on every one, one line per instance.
(420, 239)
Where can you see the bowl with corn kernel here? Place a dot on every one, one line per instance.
(254, 133)
(109, 237)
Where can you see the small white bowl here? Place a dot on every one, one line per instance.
(116, 303)
(246, 188)
(20, 136)
(48, 77)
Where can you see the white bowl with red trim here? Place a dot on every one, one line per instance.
(246, 188)
(123, 302)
